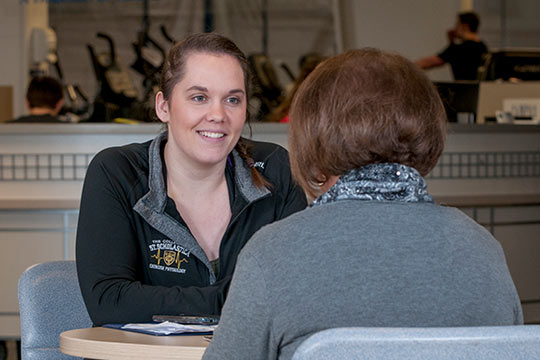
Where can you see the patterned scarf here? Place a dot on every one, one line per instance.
(378, 182)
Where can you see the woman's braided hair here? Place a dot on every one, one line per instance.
(243, 150)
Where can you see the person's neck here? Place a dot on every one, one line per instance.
(470, 36)
(187, 179)
(41, 111)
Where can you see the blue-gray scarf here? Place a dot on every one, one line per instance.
(378, 182)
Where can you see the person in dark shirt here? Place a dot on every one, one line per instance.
(44, 99)
(465, 51)
(162, 223)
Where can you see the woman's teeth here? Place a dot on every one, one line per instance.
(212, 135)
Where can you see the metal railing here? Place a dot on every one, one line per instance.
(487, 165)
(451, 165)
(43, 167)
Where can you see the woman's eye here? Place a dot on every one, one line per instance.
(233, 100)
(198, 98)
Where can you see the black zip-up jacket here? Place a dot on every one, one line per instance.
(135, 255)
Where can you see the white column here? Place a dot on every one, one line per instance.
(466, 5)
(17, 17)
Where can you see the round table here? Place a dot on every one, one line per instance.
(105, 343)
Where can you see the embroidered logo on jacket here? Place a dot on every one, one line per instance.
(168, 256)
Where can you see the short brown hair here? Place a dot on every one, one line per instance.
(44, 91)
(361, 107)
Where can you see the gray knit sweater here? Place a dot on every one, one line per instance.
(355, 262)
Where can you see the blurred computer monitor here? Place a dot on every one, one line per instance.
(508, 64)
(460, 99)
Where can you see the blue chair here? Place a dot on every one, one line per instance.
(50, 302)
(457, 343)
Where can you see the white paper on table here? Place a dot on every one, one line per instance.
(167, 328)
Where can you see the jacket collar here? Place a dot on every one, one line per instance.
(156, 198)
(152, 205)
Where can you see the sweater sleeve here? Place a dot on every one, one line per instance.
(245, 328)
(109, 259)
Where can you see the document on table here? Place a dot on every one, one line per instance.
(165, 328)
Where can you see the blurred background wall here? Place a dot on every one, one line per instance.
(284, 29)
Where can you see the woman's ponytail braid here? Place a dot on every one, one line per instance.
(256, 177)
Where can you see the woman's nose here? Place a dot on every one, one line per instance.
(216, 112)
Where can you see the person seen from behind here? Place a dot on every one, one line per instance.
(44, 99)
(373, 249)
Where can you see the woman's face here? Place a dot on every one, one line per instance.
(206, 110)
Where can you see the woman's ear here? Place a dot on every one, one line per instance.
(162, 107)
(328, 183)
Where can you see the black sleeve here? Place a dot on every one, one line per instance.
(448, 53)
(109, 259)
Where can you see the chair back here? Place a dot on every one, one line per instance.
(50, 302)
(457, 343)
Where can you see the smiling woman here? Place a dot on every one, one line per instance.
(206, 111)
(161, 223)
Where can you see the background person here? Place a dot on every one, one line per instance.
(161, 223)
(307, 65)
(373, 249)
(465, 52)
(44, 99)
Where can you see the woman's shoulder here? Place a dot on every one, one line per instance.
(261, 150)
(266, 154)
(127, 152)
(121, 159)
(122, 168)
(272, 160)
